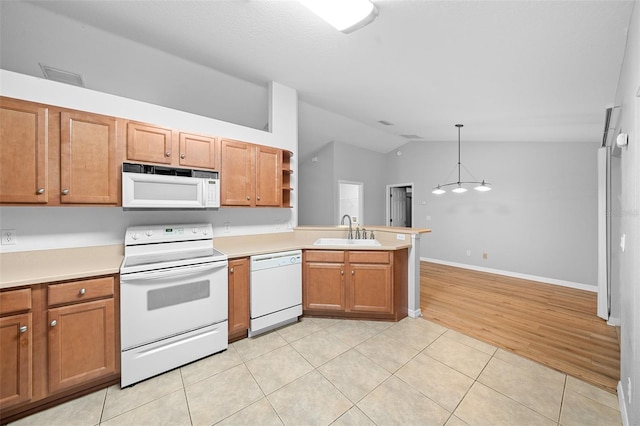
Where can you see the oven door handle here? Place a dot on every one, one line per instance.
(179, 271)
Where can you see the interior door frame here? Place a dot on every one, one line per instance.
(387, 220)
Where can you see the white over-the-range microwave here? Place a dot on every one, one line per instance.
(160, 187)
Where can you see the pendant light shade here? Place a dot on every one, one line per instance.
(459, 188)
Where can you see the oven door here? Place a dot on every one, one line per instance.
(159, 304)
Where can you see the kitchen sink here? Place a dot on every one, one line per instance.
(346, 242)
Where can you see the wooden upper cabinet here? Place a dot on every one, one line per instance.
(88, 163)
(23, 152)
(237, 176)
(149, 143)
(268, 176)
(251, 175)
(198, 151)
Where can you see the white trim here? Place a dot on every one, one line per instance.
(415, 313)
(546, 280)
(622, 406)
(603, 264)
(614, 322)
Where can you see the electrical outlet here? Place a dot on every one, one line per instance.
(9, 237)
(468, 252)
(227, 227)
(485, 256)
(400, 237)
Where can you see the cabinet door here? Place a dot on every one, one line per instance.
(149, 143)
(81, 343)
(268, 176)
(238, 297)
(88, 164)
(198, 151)
(237, 173)
(324, 286)
(23, 152)
(15, 359)
(370, 288)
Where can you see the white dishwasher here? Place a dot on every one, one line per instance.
(276, 290)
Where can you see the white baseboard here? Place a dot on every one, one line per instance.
(414, 313)
(614, 322)
(622, 405)
(546, 280)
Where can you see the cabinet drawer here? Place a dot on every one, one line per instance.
(15, 301)
(324, 256)
(78, 291)
(369, 256)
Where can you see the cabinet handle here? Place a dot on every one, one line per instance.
(23, 329)
(82, 291)
(40, 191)
(231, 270)
(53, 323)
(182, 156)
(65, 191)
(167, 154)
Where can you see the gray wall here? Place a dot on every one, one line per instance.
(539, 219)
(319, 176)
(628, 97)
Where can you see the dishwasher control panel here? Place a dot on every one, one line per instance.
(276, 260)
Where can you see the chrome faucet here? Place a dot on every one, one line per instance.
(350, 235)
(357, 232)
(364, 233)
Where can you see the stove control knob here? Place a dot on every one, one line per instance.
(135, 236)
(205, 231)
(149, 233)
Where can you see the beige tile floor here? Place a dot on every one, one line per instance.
(341, 372)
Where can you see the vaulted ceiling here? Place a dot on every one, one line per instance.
(539, 71)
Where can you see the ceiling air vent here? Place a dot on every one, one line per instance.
(385, 122)
(62, 76)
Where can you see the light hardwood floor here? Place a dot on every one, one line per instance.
(553, 325)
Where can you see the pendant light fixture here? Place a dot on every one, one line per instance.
(459, 188)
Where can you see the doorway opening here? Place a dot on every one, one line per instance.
(350, 195)
(400, 205)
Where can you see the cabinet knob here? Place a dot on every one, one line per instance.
(167, 154)
(53, 323)
(182, 156)
(231, 270)
(353, 272)
(23, 329)
(40, 191)
(341, 272)
(82, 291)
(248, 198)
(65, 191)
(258, 198)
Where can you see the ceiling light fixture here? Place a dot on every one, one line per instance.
(481, 186)
(344, 15)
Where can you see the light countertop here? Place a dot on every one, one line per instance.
(35, 267)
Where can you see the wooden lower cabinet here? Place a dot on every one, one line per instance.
(81, 342)
(238, 298)
(356, 284)
(58, 341)
(15, 359)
